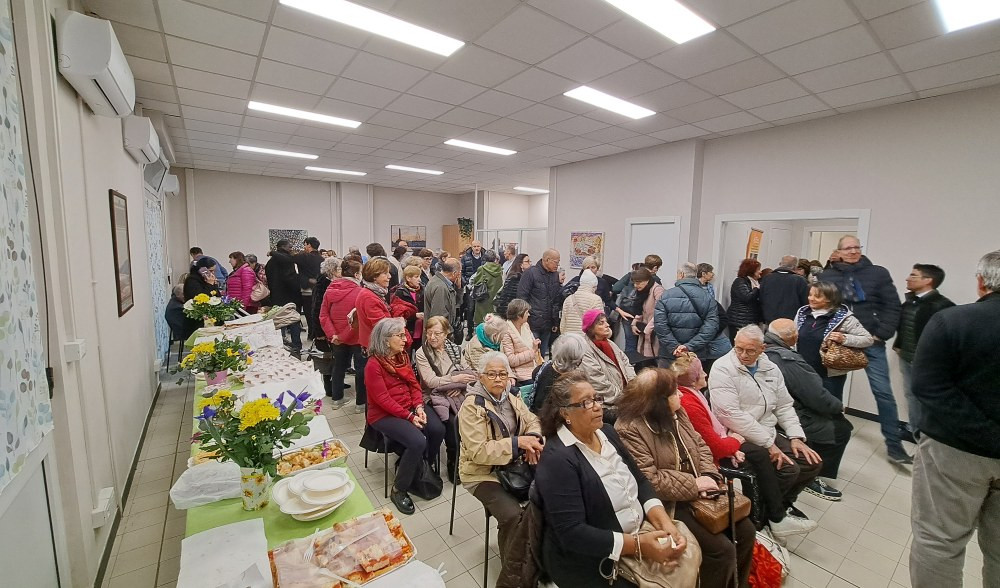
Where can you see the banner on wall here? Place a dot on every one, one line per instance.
(753, 243)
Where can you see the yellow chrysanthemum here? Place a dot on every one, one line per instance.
(214, 400)
(201, 298)
(230, 353)
(257, 411)
(188, 360)
(206, 347)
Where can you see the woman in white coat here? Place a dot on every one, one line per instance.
(606, 365)
(585, 298)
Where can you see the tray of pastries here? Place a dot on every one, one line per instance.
(331, 452)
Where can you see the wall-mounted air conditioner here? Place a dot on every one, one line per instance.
(162, 131)
(91, 59)
(171, 186)
(140, 139)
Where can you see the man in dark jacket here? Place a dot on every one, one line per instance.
(471, 260)
(820, 413)
(439, 295)
(686, 318)
(921, 303)
(284, 285)
(540, 287)
(869, 292)
(783, 292)
(308, 261)
(956, 379)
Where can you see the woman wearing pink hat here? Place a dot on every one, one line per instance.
(606, 365)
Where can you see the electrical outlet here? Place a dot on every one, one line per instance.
(105, 506)
(75, 350)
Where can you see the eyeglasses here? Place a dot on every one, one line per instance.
(400, 335)
(495, 375)
(855, 248)
(588, 404)
(746, 351)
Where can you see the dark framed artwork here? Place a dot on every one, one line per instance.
(415, 236)
(123, 256)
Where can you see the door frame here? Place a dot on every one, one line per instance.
(651, 220)
(808, 231)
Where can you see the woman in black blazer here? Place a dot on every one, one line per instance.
(593, 494)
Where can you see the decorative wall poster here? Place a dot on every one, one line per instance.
(157, 273)
(295, 236)
(123, 256)
(585, 244)
(415, 236)
(753, 243)
(25, 412)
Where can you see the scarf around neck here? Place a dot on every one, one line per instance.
(486, 341)
(717, 426)
(605, 347)
(379, 290)
(399, 366)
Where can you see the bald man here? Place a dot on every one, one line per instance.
(820, 413)
(540, 287)
(471, 260)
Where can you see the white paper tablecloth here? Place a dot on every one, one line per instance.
(220, 556)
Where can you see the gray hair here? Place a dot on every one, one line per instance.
(413, 260)
(489, 255)
(330, 267)
(178, 291)
(591, 260)
(568, 352)
(783, 328)
(494, 325)
(385, 328)
(751, 332)
(840, 241)
(516, 308)
(989, 270)
(491, 356)
(251, 258)
(788, 262)
(688, 270)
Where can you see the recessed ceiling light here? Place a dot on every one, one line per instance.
(323, 118)
(330, 170)
(276, 152)
(609, 102)
(378, 23)
(527, 189)
(432, 172)
(478, 147)
(960, 14)
(671, 19)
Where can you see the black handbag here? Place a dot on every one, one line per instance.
(427, 484)
(515, 477)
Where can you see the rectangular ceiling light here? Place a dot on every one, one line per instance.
(533, 190)
(276, 152)
(609, 102)
(432, 172)
(378, 23)
(330, 170)
(478, 147)
(283, 111)
(670, 18)
(961, 14)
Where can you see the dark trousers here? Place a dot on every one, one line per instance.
(419, 444)
(450, 435)
(294, 331)
(835, 385)
(307, 311)
(504, 507)
(545, 336)
(719, 557)
(342, 355)
(778, 487)
(832, 453)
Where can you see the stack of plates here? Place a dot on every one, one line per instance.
(314, 494)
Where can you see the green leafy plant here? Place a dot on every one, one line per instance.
(465, 228)
(214, 308)
(215, 356)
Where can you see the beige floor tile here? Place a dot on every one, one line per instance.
(141, 578)
(818, 555)
(171, 548)
(175, 527)
(156, 500)
(141, 538)
(861, 576)
(129, 561)
(147, 488)
(809, 573)
(169, 569)
(493, 572)
(428, 544)
(462, 532)
(464, 580)
(143, 519)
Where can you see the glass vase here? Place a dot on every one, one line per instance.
(254, 484)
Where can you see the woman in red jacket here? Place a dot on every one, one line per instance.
(396, 406)
(340, 299)
(690, 381)
(240, 283)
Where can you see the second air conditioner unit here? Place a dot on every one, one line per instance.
(140, 139)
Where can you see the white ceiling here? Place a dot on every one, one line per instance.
(772, 62)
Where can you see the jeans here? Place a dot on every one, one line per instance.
(912, 404)
(419, 444)
(878, 378)
(294, 331)
(342, 355)
(631, 339)
(835, 385)
(545, 336)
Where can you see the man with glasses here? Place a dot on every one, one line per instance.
(869, 292)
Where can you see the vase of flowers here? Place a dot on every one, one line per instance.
(248, 433)
(212, 309)
(217, 358)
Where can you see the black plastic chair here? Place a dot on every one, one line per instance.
(451, 521)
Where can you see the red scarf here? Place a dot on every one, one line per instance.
(399, 365)
(605, 346)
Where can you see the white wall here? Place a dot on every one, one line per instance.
(175, 228)
(393, 206)
(515, 211)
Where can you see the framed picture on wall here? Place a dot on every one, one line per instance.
(415, 236)
(123, 256)
(294, 236)
(583, 244)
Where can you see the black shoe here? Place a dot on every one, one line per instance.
(825, 491)
(351, 371)
(402, 501)
(347, 386)
(905, 434)
(792, 511)
(898, 456)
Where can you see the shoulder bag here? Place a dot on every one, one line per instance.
(259, 290)
(713, 512)
(649, 574)
(837, 356)
(517, 476)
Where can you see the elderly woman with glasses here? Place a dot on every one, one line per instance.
(594, 496)
(396, 406)
(606, 365)
(496, 428)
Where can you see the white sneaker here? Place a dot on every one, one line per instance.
(359, 409)
(792, 526)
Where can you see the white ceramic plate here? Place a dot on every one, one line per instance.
(326, 481)
(296, 507)
(280, 492)
(312, 516)
(323, 498)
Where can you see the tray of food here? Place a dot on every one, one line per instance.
(330, 452)
(355, 551)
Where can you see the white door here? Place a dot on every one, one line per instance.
(779, 244)
(27, 552)
(653, 235)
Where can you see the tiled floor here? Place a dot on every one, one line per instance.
(862, 541)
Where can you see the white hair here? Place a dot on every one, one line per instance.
(751, 332)
(385, 328)
(688, 270)
(788, 262)
(330, 267)
(568, 352)
(491, 356)
(989, 270)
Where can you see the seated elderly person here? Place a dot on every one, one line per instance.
(820, 412)
(496, 428)
(396, 406)
(749, 397)
(444, 379)
(606, 366)
(567, 355)
(486, 337)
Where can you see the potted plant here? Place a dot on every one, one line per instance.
(217, 358)
(248, 433)
(212, 309)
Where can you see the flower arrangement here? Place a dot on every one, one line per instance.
(247, 433)
(212, 309)
(217, 356)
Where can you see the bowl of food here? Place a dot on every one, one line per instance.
(331, 452)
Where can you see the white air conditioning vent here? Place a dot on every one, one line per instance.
(140, 139)
(91, 59)
(171, 186)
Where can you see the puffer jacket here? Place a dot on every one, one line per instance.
(489, 272)
(869, 293)
(339, 299)
(371, 309)
(318, 293)
(782, 293)
(575, 306)
(483, 448)
(602, 373)
(541, 289)
(845, 322)
(648, 344)
(520, 356)
(688, 315)
(744, 305)
(507, 293)
(657, 455)
(753, 404)
(240, 284)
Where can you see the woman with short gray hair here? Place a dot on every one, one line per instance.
(567, 355)
(396, 407)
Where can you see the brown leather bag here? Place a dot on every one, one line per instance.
(837, 356)
(713, 513)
